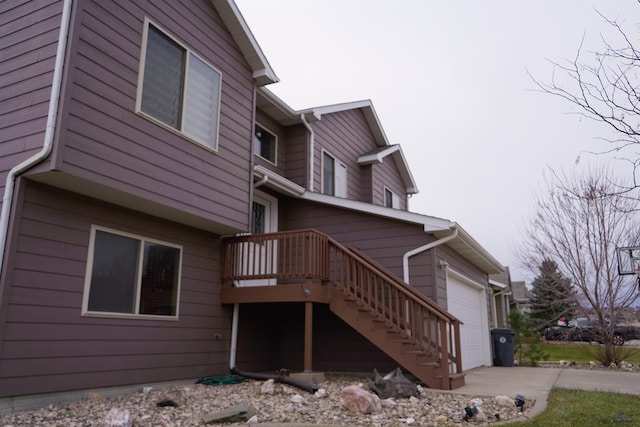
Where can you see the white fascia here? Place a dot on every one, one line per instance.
(274, 179)
(242, 35)
(430, 223)
(498, 285)
(377, 158)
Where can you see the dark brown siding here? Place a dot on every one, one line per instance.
(345, 136)
(386, 175)
(105, 142)
(271, 337)
(28, 43)
(296, 151)
(49, 346)
(383, 239)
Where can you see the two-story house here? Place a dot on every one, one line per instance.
(166, 217)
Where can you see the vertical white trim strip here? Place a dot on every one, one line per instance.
(52, 117)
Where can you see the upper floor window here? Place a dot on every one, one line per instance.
(265, 144)
(131, 275)
(179, 89)
(391, 200)
(334, 176)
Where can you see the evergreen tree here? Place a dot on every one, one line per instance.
(552, 296)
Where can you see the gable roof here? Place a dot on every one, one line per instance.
(285, 115)
(242, 35)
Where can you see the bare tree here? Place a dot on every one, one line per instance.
(605, 85)
(578, 225)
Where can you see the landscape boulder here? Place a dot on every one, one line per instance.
(357, 399)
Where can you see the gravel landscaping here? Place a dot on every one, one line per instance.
(273, 402)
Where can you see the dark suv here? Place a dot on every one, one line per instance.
(582, 329)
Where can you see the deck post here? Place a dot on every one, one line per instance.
(308, 336)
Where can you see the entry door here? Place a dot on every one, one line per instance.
(261, 258)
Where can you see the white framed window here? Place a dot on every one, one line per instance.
(177, 89)
(391, 200)
(334, 176)
(265, 143)
(129, 275)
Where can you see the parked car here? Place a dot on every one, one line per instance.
(582, 329)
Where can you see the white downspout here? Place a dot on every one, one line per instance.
(311, 151)
(50, 130)
(501, 294)
(234, 336)
(409, 254)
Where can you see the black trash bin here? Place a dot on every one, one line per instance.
(503, 347)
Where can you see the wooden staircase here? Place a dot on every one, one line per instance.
(414, 331)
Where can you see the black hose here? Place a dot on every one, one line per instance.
(303, 385)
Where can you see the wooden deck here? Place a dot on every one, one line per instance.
(308, 266)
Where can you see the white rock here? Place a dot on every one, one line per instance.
(267, 387)
(117, 418)
(296, 398)
(504, 401)
(146, 390)
(414, 400)
(389, 402)
(320, 393)
(476, 402)
(481, 417)
(408, 421)
(441, 419)
(253, 420)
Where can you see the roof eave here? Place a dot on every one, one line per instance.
(263, 74)
(468, 247)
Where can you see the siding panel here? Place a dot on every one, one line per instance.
(47, 339)
(109, 144)
(28, 43)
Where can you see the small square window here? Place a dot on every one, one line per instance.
(178, 89)
(129, 275)
(265, 144)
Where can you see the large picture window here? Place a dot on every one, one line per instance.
(178, 89)
(334, 176)
(131, 275)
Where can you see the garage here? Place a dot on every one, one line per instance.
(466, 301)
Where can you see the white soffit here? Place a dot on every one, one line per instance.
(468, 247)
(430, 223)
(242, 35)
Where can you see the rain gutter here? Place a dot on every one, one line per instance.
(49, 130)
(420, 249)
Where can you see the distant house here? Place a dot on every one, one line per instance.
(500, 286)
(166, 217)
(521, 297)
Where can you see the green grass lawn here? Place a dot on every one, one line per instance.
(586, 408)
(580, 352)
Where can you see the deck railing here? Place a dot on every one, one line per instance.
(315, 257)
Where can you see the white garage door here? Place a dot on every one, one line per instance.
(466, 302)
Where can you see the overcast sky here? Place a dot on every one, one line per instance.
(449, 82)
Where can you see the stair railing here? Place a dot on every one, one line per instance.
(314, 256)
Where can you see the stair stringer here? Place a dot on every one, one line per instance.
(424, 364)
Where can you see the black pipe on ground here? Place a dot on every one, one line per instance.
(303, 385)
